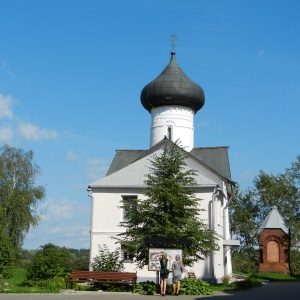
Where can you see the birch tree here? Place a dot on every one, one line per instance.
(19, 194)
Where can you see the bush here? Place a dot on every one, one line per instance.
(49, 262)
(146, 288)
(54, 285)
(248, 283)
(108, 261)
(195, 287)
(295, 262)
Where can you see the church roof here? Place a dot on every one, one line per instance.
(123, 158)
(273, 221)
(172, 87)
(215, 158)
(138, 164)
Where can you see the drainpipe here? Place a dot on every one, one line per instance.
(90, 194)
(215, 194)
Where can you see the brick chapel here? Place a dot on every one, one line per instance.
(274, 243)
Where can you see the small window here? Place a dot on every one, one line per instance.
(170, 133)
(127, 200)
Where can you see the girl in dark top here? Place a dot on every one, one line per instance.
(163, 275)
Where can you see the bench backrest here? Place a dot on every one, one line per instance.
(103, 275)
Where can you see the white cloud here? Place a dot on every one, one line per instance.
(71, 156)
(32, 132)
(63, 223)
(6, 103)
(4, 67)
(57, 210)
(17, 126)
(6, 134)
(70, 231)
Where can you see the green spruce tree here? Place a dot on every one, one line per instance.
(171, 210)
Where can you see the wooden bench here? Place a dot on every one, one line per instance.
(101, 277)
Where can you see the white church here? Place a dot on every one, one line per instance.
(172, 99)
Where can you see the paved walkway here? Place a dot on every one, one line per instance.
(270, 291)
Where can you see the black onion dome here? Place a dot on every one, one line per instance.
(172, 87)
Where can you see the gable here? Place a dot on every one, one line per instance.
(136, 172)
(214, 157)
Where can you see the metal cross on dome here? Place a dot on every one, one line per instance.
(173, 39)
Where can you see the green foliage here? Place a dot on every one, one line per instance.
(6, 256)
(244, 222)
(195, 287)
(26, 256)
(79, 263)
(170, 210)
(295, 262)
(225, 281)
(248, 283)
(107, 261)
(48, 263)
(19, 194)
(79, 258)
(54, 284)
(242, 263)
(146, 288)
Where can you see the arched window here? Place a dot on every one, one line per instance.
(272, 252)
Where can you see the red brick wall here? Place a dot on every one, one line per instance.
(274, 249)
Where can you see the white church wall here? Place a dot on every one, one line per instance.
(107, 216)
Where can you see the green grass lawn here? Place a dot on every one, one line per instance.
(274, 276)
(254, 280)
(14, 284)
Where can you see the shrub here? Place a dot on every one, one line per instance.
(49, 262)
(295, 262)
(107, 261)
(146, 288)
(52, 285)
(195, 287)
(248, 283)
(225, 281)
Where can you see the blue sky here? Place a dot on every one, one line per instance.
(71, 74)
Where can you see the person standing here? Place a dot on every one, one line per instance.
(178, 269)
(164, 274)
